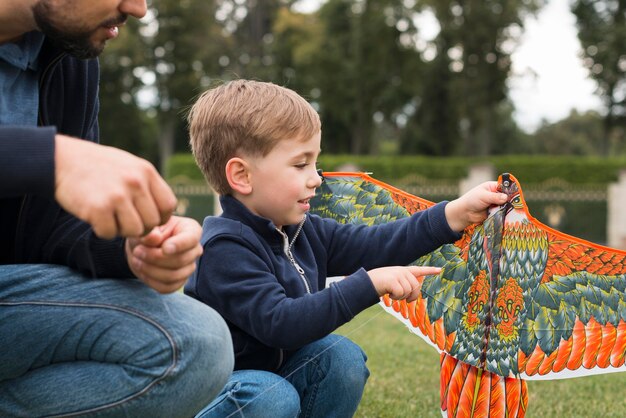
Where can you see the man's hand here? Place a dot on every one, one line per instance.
(115, 192)
(166, 257)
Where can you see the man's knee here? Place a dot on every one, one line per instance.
(203, 349)
(214, 352)
(207, 352)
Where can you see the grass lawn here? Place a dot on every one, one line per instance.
(404, 380)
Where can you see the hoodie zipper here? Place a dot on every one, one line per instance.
(287, 250)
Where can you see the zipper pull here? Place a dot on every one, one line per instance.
(300, 270)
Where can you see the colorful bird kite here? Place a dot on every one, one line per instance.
(516, 300)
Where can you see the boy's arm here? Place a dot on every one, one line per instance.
(236, 280)
(397, 243)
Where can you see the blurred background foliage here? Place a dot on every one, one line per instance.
(392, 169)
(380, 88)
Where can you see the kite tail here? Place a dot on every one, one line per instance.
(470, 392)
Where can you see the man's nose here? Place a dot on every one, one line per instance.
(135, 8)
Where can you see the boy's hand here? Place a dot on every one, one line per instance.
(400, 282)
(472, 206)
(166, 257)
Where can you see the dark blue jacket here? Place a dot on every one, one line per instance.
(249, 274)
(33, 227)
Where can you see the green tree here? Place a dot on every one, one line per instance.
(123, 122)
(602, 33)
(264, 35)
(578, 134)
(177, 51)
(476, 40)
(361, 63)
(433, 128)
(295, 39)
(184, 45)
(359, 69)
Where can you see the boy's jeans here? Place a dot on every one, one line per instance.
(323, 379)
(75, 346)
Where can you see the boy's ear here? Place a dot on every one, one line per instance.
(238, 175)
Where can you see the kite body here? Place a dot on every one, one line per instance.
(515, 299)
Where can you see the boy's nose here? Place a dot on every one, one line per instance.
(320, 175)
(316, 179)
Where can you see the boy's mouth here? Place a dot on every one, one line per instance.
(305, 203)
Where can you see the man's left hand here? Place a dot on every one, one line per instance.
(166, 257)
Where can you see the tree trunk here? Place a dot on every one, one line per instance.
(166, 144)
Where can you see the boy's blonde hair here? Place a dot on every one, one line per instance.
(245, 118)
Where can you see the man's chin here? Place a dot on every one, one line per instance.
(83, 49)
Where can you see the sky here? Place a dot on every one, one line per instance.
(548, 77)
(550, 50)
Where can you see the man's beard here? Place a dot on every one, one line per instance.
(76, 43)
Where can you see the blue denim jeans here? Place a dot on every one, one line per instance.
(324, 379)
(74, 346)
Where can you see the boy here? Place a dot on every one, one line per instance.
(265, 260)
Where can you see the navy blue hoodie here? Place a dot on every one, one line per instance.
(33, 227)
(270, 285)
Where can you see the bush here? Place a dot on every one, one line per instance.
(528, 169)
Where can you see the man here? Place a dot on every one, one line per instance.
(73, 216)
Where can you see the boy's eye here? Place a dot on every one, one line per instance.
(302, 165)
